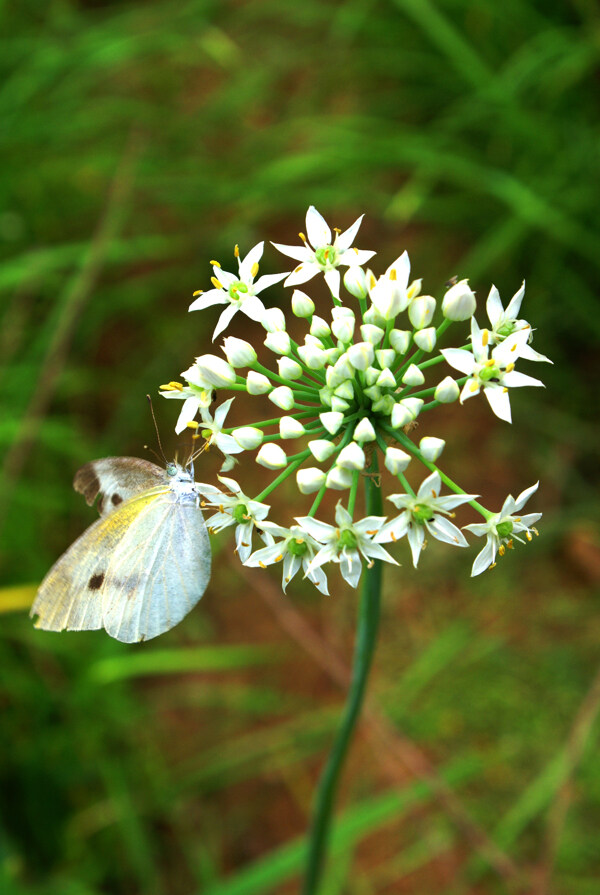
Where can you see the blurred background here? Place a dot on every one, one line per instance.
(141, 140)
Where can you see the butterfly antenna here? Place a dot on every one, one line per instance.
(156, 429)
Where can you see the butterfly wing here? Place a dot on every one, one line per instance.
(116, 480)
(158, 570)
(70, 596)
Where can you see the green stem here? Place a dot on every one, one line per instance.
(366, 638)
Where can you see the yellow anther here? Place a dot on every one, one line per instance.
(510, 544)
(279, 558)
(514, 347)
(529, 536)
(509, 368)
(193, 424)
(221, 510)
(373, 532)
(393, 274)
(337, 230)
(501, 549)
(370, 564)
(216, 283)
(244, 544)
(535, 531)
(493, 565)
(474, 386)
(197, 292)
(393, 537)
(485, 337)
(490, 362)
(302, 237)
(236, 251)
(504, 390)
(262, 565)
(254, 269)
(299, 540)
(298, 268)
(215, 263)
(195, 436)
(354, 249)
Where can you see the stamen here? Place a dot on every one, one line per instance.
(216, 283)
(298, 268)
(370, 564)
(502, 550)
(373, 532)
(302, 237)
(510, 544)
(262, 565)
(197, 292)
(509, 368)
(529, 536)
(279, 558)
(236, 251)
(474, 386)
(254, 269)
(393, 537)
(337, 230)
(485, 337)
(193, 424)
(215, 263)
(490, 362)
(393, 275)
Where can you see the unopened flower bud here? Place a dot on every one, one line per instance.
(386, 379)
(400, 340)
(364, 431)
(339, 404)
(343, 329)
(413, 376)
(313, 357)
(193, 376)
(371, 333)
(431, 447)
(425, 338)
(215, 370)
(345, 390)
(372, 375)
(290, 427)
(279, 342)
(401, 416)
(248, 437)
(282, 397)
(361, 355)
(238, 352)
(319, 327)
(338, 478)
(321, 449)
(302, 304)
(421, 310)
(373, 317)
(325, 396)
(373, 391)
(396, 460)
(332, 420)
(384, 405)
(389, 297)
(273, 320)
(447, 391)
(355, 281)
(257, 384)
(288, 368)
(459, 302)
(385, 357)
(309, 480)
(351, 457)
(271, 456)
(340, 372)
(413, 405)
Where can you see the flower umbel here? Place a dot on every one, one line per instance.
(352, 389)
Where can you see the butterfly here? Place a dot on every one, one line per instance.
(142, 566)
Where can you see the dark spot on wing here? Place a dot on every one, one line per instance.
(96, 581)
(116, 499)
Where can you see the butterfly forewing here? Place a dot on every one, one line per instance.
(115, 480)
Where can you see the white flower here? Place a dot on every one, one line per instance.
(288, 368)
(351, 457)
(290, 427)
(446, 391)
(425, 339)
(495, 374)
(211, 429)
(213, 369)
(431, 447)
(238, 352)
(279, 343)
(385, 357)
(257, 383)
(364, 431)
(346, 542)
(321, 449)
(235, 508)
(413, 376)
(338, 478)
(389, 294)
(421, 311)
(501, 528)
(400, 340)
(396, 460)
(249, 437)
(296, 551)
(302, 304)
(372, 334)
(193, 397)
(320, 253)
(282, 397)
(426, 510)
(505, 322)
(332, 420)
(355, 281)
(239, 292)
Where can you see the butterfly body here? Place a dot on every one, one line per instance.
(142, 566)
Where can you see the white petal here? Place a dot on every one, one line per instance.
(485, 558)
(430, 487)
(444, 530)
(351, 567)
(207, 299)
(188, 412)
(393, 530)
(304, 272)
(514, 305)
(252, 258)
(333, 279)
(253, 307)
(494, 306)
(517, 380)
(224, 320)
(373, 550)
(499, 402)
(317, 229)
(416, 539)
(459, 359)
(298, 253)
(524, 496)
(344, 240)
(222, 411)
(265, 556)
(267, 280)
(320, 531)
(224, 277)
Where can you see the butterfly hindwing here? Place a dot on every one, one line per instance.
(158, 571)
(116, 480)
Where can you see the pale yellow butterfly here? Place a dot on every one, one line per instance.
(142, 566)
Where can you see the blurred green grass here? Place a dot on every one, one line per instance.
(468, 132)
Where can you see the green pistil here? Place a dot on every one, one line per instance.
(240, 513)
(507, 329)
(236, 288)
(505, 529)
(297, 546)
(326, 257)
(489, 373)
(422, 513)
(347, 539)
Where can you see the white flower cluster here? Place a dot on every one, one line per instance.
(349, 392)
